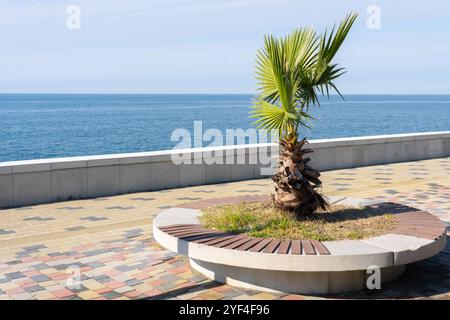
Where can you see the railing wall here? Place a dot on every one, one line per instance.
(50, 180)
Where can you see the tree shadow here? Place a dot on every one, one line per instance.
(173, 293)
(352, 214)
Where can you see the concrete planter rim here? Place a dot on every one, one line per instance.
(387, 250)
(344, 269)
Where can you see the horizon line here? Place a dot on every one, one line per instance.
(203, 93)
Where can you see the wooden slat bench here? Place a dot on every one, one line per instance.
(198, 234)
(298, 265)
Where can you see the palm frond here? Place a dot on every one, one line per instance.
(271, 117)
(330, 44)
(292, 72)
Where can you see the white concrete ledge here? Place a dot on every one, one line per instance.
(48, 180)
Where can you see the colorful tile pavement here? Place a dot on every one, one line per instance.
(103, 248)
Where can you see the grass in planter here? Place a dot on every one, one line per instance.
(262, 219)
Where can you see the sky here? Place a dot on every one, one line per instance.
(209, 46)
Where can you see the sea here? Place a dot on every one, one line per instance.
(38, 126)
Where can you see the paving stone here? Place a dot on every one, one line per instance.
(112, 295)
(15, 275)
(34, 288)
(94, 264)
(76, 228)
(124, 268)
(61, 266)
(39, 219)
(123, 289)
(94, 218)
(102, 278)
(34, 248)
(133, 282)
(142, 199)
(78, 288)
(3, 232)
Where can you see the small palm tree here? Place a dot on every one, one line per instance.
(292, 72)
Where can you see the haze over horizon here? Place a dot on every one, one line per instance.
(200, 46)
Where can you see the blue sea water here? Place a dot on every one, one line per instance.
(36, 126)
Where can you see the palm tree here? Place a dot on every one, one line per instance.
(292, 72)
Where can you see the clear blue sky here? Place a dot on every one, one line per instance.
(208, 46)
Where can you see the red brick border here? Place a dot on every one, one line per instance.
(414, 222)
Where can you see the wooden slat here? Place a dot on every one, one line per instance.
(229, 241)
(219, 239)
(175, 226)
(238, 243)
(261, 245)
(272, 246)
(284, 247)
(168, 226)
(196, 234)
(183, 230)
(320, 248)
(179, 234)
(204, 237)
(308, 247)
(296, 247)
(249, 244)
(201, 241)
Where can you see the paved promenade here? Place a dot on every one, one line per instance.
(106, 243)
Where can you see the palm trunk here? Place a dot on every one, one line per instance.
(296, 182)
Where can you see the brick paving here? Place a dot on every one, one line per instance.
(103, 248)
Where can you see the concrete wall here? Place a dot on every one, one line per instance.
(49, 180)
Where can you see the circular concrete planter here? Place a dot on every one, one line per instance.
(307, 267)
